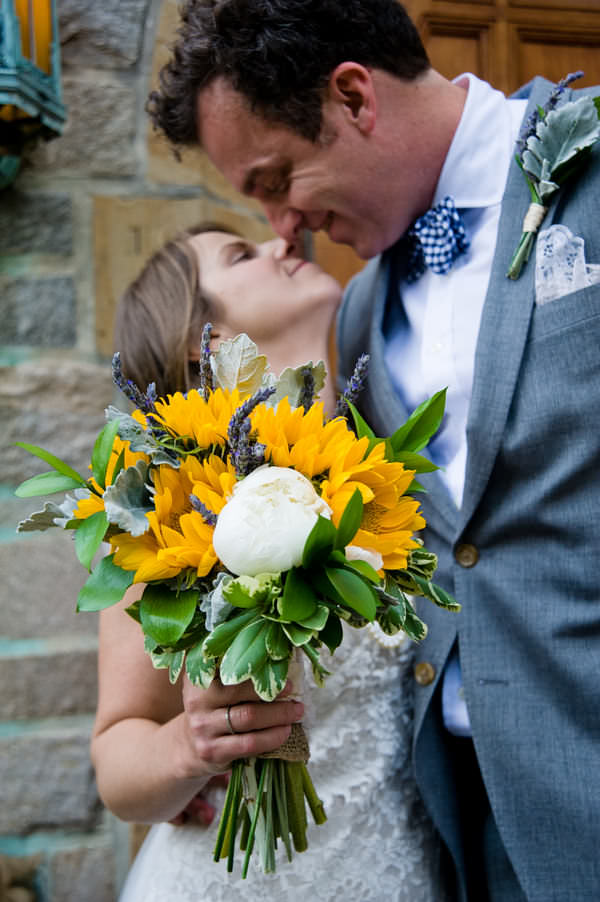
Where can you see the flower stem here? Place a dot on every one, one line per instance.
(521, 255)
(314, 802)
(296, 808)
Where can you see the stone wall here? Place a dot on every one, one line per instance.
(82, 216)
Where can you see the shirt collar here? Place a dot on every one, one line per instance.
(482, 146)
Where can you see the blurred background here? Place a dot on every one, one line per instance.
(79, 214)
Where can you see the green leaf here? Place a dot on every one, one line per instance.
(199, 669)
(332, 633)
(171, 660)
(436, 594)
(319, 672)
(47, 484)
(165, 615)
(317, 620)
(413, 626)
(421, 424)
(320, 542)
(270, 680)
(59, 465)
(357, 594)
(51, 515)
(88, 537)
(102, 451)
(350, 520)
(277, 643)
(364, 569)
(362, 427)
(298, 600)
(249, 591)
(297, 635)
(413, 461)
(246, 655)
(128, 500)
(223, 635)
(105, 587)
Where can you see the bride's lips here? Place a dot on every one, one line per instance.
(298, 266)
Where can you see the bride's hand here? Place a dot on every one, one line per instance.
(223, 723)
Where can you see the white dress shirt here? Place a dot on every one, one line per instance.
(434, 346)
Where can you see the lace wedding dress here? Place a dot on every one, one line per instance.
(376, 846)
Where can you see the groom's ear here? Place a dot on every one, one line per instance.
(351, 86)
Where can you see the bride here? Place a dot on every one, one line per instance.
(156, 745)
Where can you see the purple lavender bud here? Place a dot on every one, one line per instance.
(207, 515)
(143, 401)
(206, 376)
(354, 387)
(307, 393)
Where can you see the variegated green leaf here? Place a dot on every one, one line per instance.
(270, 680)
(223, 635)
(200, 670)
(277, 643)
(246, 655)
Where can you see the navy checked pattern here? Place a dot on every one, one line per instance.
(435, 240)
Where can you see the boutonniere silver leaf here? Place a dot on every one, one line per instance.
(556, 140)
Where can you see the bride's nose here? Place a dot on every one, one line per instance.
(282, 249)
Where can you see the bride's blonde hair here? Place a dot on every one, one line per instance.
(161, 316)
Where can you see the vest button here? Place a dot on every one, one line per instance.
(424, 673)
(466, 555)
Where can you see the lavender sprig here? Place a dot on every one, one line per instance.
(354, 387)
(530, 125)
(144, 401)
(307, 393)
(246, 454)
(207, 384)
(207, 515)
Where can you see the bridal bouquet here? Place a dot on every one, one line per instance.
(258, 526)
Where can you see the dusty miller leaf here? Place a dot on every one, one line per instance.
(291, 383)
(51, 515)
(127, 501)
(237, 364)
(559, 137)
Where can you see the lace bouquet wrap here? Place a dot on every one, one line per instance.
(258, 526)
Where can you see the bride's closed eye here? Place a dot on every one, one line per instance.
(240, 252)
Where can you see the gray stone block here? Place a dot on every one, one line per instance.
(35, 223)
(47, 779)
(48, 679)
(39, 584)
(103, 35)
(100, 132)
(38, 311)
(55, 403)
(85, 874)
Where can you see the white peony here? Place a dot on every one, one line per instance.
(264, 526)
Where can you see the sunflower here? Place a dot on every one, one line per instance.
(94, 503)
(330, 454)
(299, 439)
(390, 518)
(191, 417)
(179, 538)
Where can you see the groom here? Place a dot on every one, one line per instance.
(328, 112)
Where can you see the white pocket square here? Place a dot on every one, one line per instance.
(560, 266)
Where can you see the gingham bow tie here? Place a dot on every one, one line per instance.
(435, 239)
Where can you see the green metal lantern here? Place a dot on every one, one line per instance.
(30, 95)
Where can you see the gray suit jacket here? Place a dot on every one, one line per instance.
(529, 629)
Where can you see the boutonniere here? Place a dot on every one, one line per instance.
(554, 143)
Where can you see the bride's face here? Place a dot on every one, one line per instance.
(262, 289)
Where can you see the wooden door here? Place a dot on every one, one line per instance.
(506, 42)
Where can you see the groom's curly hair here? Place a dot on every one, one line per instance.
(279, 55)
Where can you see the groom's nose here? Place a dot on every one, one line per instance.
(286, 221)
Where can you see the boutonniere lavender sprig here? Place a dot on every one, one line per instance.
(555, 142)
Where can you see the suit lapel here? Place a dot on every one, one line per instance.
(502, 336)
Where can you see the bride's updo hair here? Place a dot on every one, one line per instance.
(161, 316)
